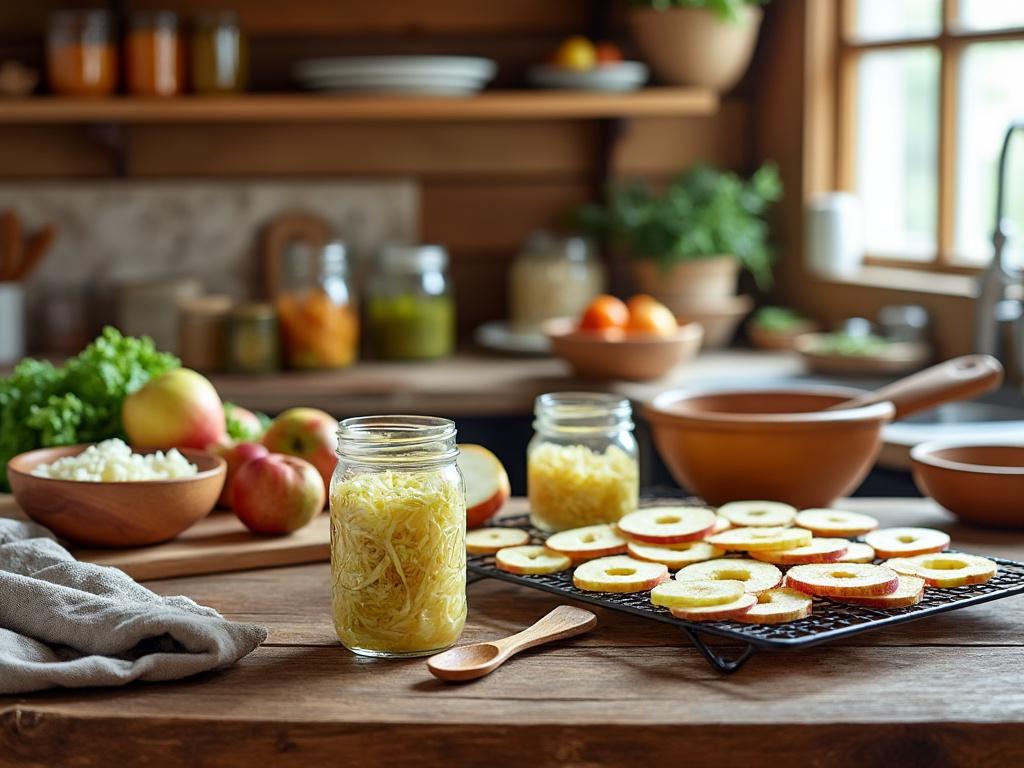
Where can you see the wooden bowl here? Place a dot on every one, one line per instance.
(763, 338)
(115, 514)
(637, 357)
(980, 484)
(773, 444)
(720, 320)
(898, 357)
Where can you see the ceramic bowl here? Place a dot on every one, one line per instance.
(981, 484)
(593, 355)
(720, 320)
(115, 514)
(763, 338)
(898, 357)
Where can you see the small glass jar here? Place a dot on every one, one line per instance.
(552, 277)
(155, 65)
(410, 310)
(316, 309)
(220, 54)
(81, 58)
(582, 463)
(253, 345)
(398, 536)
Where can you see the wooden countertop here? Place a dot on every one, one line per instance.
(947, 690)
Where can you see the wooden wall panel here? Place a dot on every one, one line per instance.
(52, 151)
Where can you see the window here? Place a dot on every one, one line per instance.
(927, 89)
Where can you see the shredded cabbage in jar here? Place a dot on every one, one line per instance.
(398, 560)
(571, 486)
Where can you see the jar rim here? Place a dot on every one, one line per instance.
(405, 437)
(583, 411)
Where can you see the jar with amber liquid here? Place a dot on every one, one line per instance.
(154, 60)
(81, 58)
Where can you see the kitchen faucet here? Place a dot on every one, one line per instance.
(994, 308)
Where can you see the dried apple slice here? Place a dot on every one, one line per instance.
(906, 542)
(487, 541)
(587, 542)
(697, 593)
(858, 552)
(818, 551)
(843, 579)
(758, 514)
(721, 524)
(835, 522)
(760, 539)
(756, 577)
(777, 606)
(908, 593)
(531, 560)
(619, 573)
(667, 525)
(946, 569)
(676, 556)
(724, 612)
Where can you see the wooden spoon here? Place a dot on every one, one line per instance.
(958, 379)
(468, 662)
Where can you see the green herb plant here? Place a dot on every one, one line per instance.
(778, 319)
(728, 10)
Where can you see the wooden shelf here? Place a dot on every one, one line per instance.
(277, 108)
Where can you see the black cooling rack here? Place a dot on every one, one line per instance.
(829, 620)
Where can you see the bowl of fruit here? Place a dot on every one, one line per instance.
(581, 64)
(636, 340)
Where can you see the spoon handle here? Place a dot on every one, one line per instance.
(564, 621)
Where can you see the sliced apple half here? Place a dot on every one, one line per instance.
(487, 541)
(732, 610)
(858, 552)
(760, 539)
(487, 486)
(758, 514)
(835, 522)
(756, 577)
(946, 569)
(818, 551)
(697, 593)
(908, 593)
(531, 559)
(587, 542)
(619, 573)
(676, 556)
(667, 525)
(906, 542)
(778, 606)
(843, 579)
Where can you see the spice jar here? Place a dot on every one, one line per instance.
(315, 308)
(155, 64)
(410, 311)
(220, 54)
(582, 463)
(552, 277)
(81, 59)
(398, 536)
(202, 332)
(252, 344)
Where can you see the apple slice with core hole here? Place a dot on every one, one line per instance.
(677, 555)
(908, 593)
(835, 522)
(857, 552)
(723, 612)
(760, 539)
(818, 551)
(487, 486)
(758, 514)
(587, 542)
(756, 577)
(906, 542)
(619, 574)
(777, 606)
(667, 525)
(843, 579)
(531, 559)
(721, 524)
(697, 593)
(487, 541)
(947, 569)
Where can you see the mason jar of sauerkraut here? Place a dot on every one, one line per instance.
(582, 466)
(398, 530)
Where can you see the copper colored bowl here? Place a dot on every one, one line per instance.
(768, 443)
(981, 484)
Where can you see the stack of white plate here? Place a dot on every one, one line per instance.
(620, 76)
(424, 75)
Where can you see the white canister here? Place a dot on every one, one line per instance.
(12, 322)
(834, 234)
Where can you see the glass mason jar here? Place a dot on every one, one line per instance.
(220, 54)
(316, 310)
(398, 536)
(410, 310)
(582, 463)
(81, 59)
(155, 63)
(253, 344)
(552, 277)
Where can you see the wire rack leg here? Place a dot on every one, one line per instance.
(718, 662)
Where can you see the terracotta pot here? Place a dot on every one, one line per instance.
(719, 319)
(689, 284)
(694, 46)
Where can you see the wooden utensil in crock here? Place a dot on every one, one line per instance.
(115, 514)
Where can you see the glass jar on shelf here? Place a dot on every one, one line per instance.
(154, 60)
(220, 54)
(398, 543)
(410, 309)
(316, 308)
(582, 463)
(81, 57)
(552, 277)
(253, 345)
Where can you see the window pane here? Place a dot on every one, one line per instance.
(897, 150)
(991, 14)
(882, 19)
(989, 99)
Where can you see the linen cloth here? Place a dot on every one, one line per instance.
(65, 623)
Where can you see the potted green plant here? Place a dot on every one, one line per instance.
(696, 42)
(777, 328)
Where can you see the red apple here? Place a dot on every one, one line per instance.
(277, 494)
(487, 486)
(309, 434)
(179, 409)
(235, 454)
